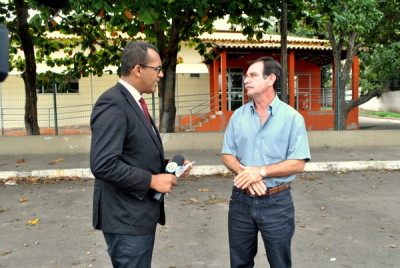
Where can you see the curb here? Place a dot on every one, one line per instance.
(215, 169)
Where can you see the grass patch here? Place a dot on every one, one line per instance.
(382, 114)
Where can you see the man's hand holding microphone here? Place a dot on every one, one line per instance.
(176, 168)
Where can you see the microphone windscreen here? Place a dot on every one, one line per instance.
(4, 52)
(178, 159)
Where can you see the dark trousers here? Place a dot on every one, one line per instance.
(130, 251)
(273, 216)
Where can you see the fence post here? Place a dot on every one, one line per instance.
(55, 105)
(337, 112)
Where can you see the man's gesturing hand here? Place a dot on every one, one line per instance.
(248, 176)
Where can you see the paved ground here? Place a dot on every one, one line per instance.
(375, 122)
(348, 219)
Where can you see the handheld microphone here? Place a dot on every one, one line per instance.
(173, 166)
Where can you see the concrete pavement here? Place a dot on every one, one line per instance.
(345, 219)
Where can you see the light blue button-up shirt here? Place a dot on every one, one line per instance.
(283, 136)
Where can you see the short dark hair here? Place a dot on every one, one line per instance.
(271, 66)
(134, 53)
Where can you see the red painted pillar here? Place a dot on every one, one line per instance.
(291, 78)
(223, 81)
(355, 81)
(355, 73)
(333, 86)
(212, 88)
(216, 84)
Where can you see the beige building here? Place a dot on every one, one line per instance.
(74, 105)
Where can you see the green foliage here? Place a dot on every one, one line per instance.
(45, 83)
(387, 31)
(345, 17)
(164, 23)
(383, 114)
(381, 68)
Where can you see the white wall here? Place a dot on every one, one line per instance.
(388, 102)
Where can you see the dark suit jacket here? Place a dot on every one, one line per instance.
(125, 152)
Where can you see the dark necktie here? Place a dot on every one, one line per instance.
(144, 108)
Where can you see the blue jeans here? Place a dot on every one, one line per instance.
(273, 216)
(130, 251)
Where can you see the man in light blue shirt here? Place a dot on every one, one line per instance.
(265, 145)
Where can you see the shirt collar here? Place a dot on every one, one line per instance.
(135, 94)
(272, 107)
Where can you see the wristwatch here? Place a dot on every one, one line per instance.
(263, 172)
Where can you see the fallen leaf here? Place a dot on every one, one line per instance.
(58, 160)
(203, 190)
(22, 200)
(4, 253)
(33, 222)
(170, 245)
(21, 161)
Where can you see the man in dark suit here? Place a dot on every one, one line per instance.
(127, 160)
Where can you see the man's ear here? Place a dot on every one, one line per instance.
(272, 79)
(136, 70)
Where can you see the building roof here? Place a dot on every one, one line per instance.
(318, 51)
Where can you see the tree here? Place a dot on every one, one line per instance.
(381, 62)
(26, 34)
(349, 25)
(101, 29)
(165, 23)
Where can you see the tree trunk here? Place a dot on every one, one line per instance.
(167, 95)
(29, 75)
(284, 65)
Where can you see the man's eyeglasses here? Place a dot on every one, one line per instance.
(158, 69)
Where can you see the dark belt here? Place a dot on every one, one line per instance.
(270, 191)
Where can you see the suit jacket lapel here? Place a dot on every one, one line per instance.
(150, 127)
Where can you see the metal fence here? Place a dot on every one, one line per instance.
(69, 113)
